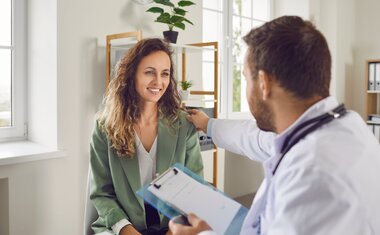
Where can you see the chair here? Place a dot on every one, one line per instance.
(90, 213)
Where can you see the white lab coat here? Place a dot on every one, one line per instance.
(328, 183)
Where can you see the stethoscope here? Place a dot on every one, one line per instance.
(307, 127)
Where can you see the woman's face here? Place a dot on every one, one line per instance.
(153, 76)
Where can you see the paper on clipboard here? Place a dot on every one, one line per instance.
(187, 195)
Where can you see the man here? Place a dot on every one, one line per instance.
(321, 163)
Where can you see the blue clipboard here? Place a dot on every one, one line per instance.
(170, 211)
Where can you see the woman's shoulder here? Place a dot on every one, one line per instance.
(99, 128)
(180, 121)
(182, 114)
(182, 117)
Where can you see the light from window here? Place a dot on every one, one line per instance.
(212, 31)
(247, 14)
(232, 20)
(6, 50)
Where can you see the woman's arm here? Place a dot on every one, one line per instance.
(102, 189)
(193, 159)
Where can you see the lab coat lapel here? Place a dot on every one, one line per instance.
(252, 223)
(166, 144)
(132, 171)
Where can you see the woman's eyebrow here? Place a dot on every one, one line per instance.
(149, 67)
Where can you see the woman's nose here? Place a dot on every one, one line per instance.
(158, 79)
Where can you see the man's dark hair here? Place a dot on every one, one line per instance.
(294, 52)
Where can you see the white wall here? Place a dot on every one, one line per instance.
(4, 205)
(42, 72)
(367, 46)
(337, 22)
(291, 7)
(351, 31)
(47, 197)
(241, 175)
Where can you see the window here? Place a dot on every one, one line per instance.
(6, 50)
(230, 21)
(12, 69)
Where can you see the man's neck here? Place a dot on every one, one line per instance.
(290, 109)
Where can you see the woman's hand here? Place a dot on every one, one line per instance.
(129, 230)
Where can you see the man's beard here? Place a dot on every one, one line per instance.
(262, 113)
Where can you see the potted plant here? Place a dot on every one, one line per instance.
(184, 92)
(174, 17)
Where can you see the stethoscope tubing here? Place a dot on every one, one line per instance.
(307, 127)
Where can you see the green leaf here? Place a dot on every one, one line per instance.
(180, 25)
(188, 21)
(177, 19)
(155, 10)
(185, 3)
(164, 2)
(186, 84)
(164, 18)
(179, 11)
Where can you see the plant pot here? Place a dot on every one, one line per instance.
(171, 36)
(184, 94)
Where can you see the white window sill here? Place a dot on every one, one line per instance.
(26, 151)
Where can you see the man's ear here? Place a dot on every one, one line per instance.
(265, 84)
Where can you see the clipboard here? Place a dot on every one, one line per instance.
(180, 191)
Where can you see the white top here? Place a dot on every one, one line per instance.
(147, 161)
(147, 167)
(328, 183)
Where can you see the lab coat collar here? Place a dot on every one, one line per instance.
(319, 108)
(315, 110)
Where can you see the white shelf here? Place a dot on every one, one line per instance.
(373, 122)
(124, 44)
(199, 100)
(373, 92)
(205, 103)
(189, 49)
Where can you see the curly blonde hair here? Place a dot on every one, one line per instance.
(120, 105)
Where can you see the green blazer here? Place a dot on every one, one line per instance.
(115, 180)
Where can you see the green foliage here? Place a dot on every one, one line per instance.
(175, 17)
(185, 85)
(237, 34)
(236, 103)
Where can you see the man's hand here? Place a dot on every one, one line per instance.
(129, 230)
(198, 118)
(197, 226)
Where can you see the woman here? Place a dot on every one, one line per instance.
(140, 132)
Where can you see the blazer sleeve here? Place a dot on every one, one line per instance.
(193, 159)
(102, 189)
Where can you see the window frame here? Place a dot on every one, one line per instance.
(18, 129)
(226, 75)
